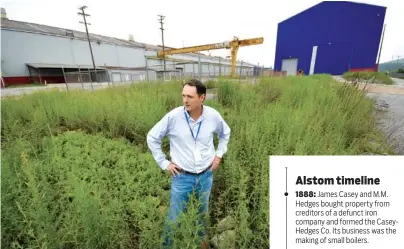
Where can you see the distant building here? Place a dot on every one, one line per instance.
(332, 37)
(38, 53)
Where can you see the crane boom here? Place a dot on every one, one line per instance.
(233, 45)
(249, 42)
(194, 49)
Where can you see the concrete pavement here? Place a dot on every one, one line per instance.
(62, 87)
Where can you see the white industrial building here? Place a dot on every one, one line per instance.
(38, 53)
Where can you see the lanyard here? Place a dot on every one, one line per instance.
(199, 128)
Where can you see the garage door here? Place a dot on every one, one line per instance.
(290, 66)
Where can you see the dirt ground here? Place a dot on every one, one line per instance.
(382, 89)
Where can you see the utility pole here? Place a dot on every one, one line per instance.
(82, 13)
(161, 18)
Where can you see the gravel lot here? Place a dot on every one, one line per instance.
(399, 82)
(390, 100)
(392, 120)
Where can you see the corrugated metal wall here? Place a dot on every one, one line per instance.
(25, 47)
(347, 35)
(19, 48)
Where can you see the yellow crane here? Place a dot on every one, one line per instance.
(233, 45)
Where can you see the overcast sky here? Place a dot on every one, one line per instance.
(192, 23)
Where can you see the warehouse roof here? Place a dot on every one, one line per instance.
(53, 65)
(44, 29)
(84, 67)
(55, 31)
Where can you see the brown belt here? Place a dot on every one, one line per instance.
(192, 173)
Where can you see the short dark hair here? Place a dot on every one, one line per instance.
(200, 87)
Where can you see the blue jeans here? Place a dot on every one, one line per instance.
(182, 186)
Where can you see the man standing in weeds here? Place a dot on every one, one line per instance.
(190, 129)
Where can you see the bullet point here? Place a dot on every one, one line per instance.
(286, 194)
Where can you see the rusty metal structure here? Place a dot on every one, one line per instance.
(233, 45)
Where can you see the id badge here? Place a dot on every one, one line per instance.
(197, 156)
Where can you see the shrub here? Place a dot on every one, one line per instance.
(369, 77)
(210, 84)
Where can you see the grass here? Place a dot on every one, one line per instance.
(76, 171)
(368, 77)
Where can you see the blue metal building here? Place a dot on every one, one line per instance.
(331, 37)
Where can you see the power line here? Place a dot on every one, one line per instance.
(82, 13)
(161, 18)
